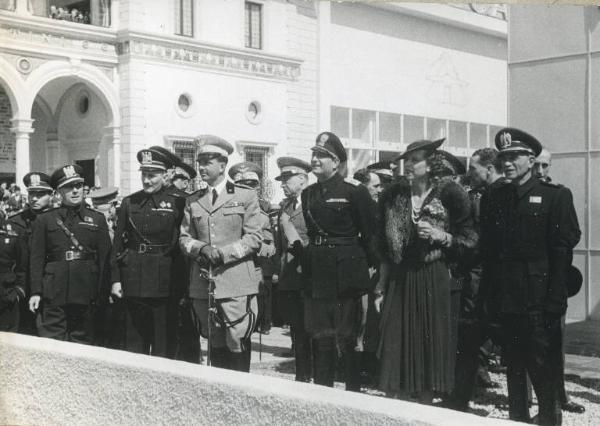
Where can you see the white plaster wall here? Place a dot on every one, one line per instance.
(56, 383)
(398, 63)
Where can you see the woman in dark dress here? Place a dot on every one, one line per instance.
(426, 223)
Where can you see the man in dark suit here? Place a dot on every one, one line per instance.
(70, 249)
(528, 231)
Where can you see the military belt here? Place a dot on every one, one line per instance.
(70, 255)
(320, 240)
(143, 248)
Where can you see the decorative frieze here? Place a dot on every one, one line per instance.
(214, 58)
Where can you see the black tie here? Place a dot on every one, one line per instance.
(215, 195)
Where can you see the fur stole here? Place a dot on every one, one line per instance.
(446, 200)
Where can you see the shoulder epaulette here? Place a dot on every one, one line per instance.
(352, 181)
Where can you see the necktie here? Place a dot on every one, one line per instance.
(215, 195)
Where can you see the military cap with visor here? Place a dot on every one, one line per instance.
(290, 166)
(212, 146)
(66, 175)
(153, 160)
(421, 145)
(329, 144)
(37, 181)
(174, 160)
(383, 169)
(245, 171)
(184, 171)
(510, 139)
(104, 195)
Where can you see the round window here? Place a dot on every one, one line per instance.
(254, 112)
(184, 103)
(83, 104)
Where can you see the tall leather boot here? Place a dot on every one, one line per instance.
(303, 355)
(325, 357)
(219, 357)
(352, 370)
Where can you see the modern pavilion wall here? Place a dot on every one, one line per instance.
(554, 93)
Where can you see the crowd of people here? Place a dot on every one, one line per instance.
(73, 15)
(406, 271)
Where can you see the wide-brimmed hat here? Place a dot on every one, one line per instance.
(423, 144)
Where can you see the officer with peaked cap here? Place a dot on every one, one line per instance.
(39, 196)
(384, 170)
(291, 239)
(144, 248)
(340, 218)
(528, 231)
(182, 175)
(70, 249)
(221, 233)
(250, 175)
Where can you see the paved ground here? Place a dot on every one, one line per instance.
(582, 372)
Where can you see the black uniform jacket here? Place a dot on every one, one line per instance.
(22, 224)
(528, 233)
(146, 242)
(13, 260)
(338, 208)
(69, 281)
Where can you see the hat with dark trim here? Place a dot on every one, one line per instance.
(209, 145)
(453, 164)
(104, 195)
(514, 140)
(329, 144)
(184, 171)
(152, 160)
(383, 169)
(423, 144)
(69, 174)
(290, 166)
(37, 181)
(245, 171)
(174, 160)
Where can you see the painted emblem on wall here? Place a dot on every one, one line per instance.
(447, 86)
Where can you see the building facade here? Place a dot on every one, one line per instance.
(97, 84)
(554, 89)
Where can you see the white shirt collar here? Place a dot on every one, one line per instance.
(220, 187)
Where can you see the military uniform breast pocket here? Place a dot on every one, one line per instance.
(533, 226)
(233, 214)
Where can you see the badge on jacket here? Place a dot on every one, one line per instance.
(535, 199)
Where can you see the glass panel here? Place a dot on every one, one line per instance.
(457, 135)
(253, 25)
(436, 128)
(361, 158)
(258, 156)
(7, 5)
(493, 131)
(388, 155)
(389, 127)
(340, 121)
(478, 136)
(363, 124)
(413, 128)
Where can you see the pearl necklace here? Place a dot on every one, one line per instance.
(417, 204)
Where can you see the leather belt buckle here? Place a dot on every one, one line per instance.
(69, 255)
(318, 240)
(142, 248)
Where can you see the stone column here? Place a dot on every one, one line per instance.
(21, 7)
(22, 128)
(112, 136)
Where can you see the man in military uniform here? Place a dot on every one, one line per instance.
(528, 231)
(248, 174)
(340, 221)
(39, 197)
(221, 233)
(104, 200)
(145, 243)
(542, 165)
(70, 250)
(292, 237)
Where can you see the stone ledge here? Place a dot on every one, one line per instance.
(51, 382)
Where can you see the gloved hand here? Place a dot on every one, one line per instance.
(212, 255)
(116, 292)
(296, 249)
(34, 302)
